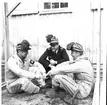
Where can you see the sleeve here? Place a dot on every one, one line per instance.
(64, 55)
(72, 68)
(41, 68)
(43, 59)
(13, 66)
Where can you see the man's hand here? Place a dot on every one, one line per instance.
(44, 75)
(34, 80)
(49, 74)
(53, 62)
(51, 66)
(52, 72)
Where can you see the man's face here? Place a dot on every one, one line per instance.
(75, 54)
(22, 54)
(54, 46)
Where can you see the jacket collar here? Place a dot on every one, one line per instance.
(18, 58)
(81, 57)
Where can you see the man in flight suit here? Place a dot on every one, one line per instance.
(19, 77)
(82, 81)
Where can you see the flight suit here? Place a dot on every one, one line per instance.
(83, 81)
(17, 83)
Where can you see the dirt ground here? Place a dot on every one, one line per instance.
(42, 98)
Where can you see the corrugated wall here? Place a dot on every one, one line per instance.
(75, 26)
(35, 27)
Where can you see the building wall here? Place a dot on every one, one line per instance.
(76, 26)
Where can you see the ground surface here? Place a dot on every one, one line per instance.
(42, 98)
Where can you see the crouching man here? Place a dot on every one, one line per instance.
(74, 76)
(21, 74)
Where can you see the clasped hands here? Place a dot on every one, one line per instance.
(52, 72)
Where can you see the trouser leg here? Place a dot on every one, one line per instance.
(22, 84)
(84, 89)
(14, 88)
(70, 86)
(65, 82)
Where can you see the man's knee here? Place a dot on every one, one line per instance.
(29, 87)
(56, 80)
(16, 86)
(57, 77)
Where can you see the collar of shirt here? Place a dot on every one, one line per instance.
(81, 57)
(17, 57)
(56, 51)
(25, 65)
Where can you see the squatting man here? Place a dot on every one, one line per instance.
(23, 75)
(52, 56)
(74, 76)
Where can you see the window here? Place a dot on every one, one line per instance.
(47, 5)
(63, 5)
(55, 5)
